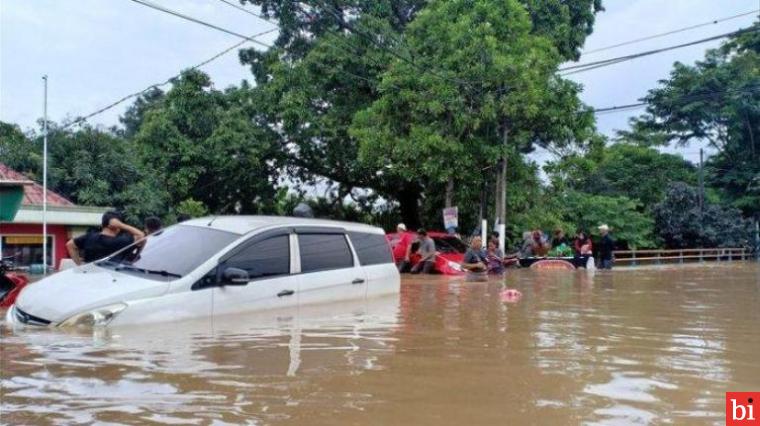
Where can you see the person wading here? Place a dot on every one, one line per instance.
(606, 247)
(427, 254)
(475, 257)
(114, 236)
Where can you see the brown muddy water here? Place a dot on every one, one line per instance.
(659, 345)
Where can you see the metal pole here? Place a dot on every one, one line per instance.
(44, 181)
(757, 237)
(701, 190)
(503, 188)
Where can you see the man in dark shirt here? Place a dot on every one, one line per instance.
(114, 236)
(606, 247)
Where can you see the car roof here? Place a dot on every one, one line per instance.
(245, 224)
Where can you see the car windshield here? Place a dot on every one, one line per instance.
(449, 245)
(172, 252)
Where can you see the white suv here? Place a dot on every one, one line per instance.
(215, 266)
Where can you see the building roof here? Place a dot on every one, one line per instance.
(32, 190)
(245, 224)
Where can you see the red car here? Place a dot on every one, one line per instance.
(450, 250)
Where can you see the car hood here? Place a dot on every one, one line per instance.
(59, 296)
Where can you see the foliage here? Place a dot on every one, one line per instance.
(192, 208)
(679, 223)
(17, 151)
(716, 101)
(456, 112)
(89, 166)
(623, 169)
(329, 57)
(203, 144)
(622, 214)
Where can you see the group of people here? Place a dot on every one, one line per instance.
(114, 235)
(537, 244)
(422, 248)
(419, 253)
(491, 260)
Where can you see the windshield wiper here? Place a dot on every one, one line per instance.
(148, 271)
(108, 262)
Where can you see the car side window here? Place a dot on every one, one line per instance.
(266, 258)
(320, 252)
(372, 249)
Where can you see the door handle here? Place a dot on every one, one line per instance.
(285, 293)
(358, 281)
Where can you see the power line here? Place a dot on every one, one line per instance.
(233, 33)
(241, 8)
(163, 83)
(200, 22)
(676, 31)
(682, 99)
(574, 69)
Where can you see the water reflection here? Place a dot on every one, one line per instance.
(658, 345)
(235, 367)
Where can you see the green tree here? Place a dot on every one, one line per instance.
(208, 145)
(430, 128)
(325, 67)
(680, 223)
(622, 214)
(637, 172)
(716, 101)
(18, 152)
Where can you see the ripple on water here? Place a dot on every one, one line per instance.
(656, 345)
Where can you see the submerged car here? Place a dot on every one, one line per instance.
(214, 266)
(449, 250)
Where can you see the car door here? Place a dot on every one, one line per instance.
(328, 266)
(268, 260)
(374, 254)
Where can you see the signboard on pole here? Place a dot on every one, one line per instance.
(450, 218)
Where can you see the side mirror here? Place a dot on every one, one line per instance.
(235, 276)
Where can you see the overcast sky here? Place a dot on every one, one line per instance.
(96, 51)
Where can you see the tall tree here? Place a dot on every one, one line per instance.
(88, 165)
(622, 169)
(207, 145)
(681, 223)
(469, 110)
(325, 67)
(716, 101)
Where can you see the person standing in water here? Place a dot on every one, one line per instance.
(427, 254)
(474, 257)
(606, 248)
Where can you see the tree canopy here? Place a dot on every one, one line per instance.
(622, 169)
(715, 101)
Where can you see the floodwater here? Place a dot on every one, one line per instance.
(658, 345)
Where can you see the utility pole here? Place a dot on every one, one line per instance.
(503, 189)
(757, 237)
(44, 178)
(701, 189)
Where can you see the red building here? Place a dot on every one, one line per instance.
(22, 237)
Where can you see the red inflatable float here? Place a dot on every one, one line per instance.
(553, 264)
